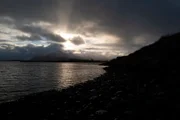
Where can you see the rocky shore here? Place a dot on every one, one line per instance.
(142, 86)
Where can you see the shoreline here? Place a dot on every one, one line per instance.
(27, 85)
(83, 98)
(113, 95)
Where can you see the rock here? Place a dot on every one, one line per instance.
(115, 118)
(101, 102)
(92, 115)
(9, 113)
(93, 97)
(86, 106)
(78, 101)
(109, 105)
(77, 92)
(101, 112)
(152, 80)
(128, 112)
(92, 90)
(77, 112)
(130, 95)
(51, 114)
(70, 97)
(100, 95)
(160, 93)
(112, 87)
(114, 98)
(118, 92)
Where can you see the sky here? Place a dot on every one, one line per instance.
(89, 29)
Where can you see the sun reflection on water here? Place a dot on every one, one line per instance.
(72, 74)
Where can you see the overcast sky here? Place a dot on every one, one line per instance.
(93, 29)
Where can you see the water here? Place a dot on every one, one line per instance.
(18, 79)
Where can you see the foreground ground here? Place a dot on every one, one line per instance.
(110, 97)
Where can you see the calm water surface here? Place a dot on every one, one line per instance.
(18, 79)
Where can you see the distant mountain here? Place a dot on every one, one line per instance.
(50, 57)
(55, 57)
(163, 52)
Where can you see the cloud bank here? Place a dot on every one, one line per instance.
(99, 29)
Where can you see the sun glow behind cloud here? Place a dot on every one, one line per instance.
(93, 44)
(86, 44)
(89, 27)
(69, 46)
(67, 36)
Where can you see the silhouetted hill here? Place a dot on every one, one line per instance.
(53, 57)
(164, 51)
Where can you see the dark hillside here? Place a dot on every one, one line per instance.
(164, 51)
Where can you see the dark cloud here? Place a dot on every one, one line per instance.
(6, 20)
(31, 38)
(29, 51)
(129, 19)
(33, 9)
(120, 17)
(113, 16)
(2, 41)
(77, 40)
(128, 14)
(37, 33)
(3, 32)
(136, 23)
